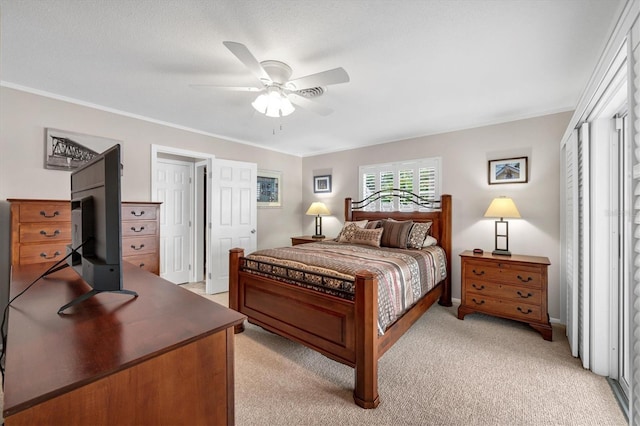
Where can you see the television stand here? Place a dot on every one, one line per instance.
(92, 293)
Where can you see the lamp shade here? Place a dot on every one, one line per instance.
(502, 207)
(318, 208)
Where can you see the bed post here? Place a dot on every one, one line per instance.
(445, 242)
(348, 217)
(366, 322)
(234, 294)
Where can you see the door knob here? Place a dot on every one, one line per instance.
(253, 231)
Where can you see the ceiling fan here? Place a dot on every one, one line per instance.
(277, 92)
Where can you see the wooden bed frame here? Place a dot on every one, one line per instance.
(345, 331)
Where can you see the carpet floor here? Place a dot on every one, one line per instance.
(443, 371)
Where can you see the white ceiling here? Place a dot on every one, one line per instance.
(416, 67)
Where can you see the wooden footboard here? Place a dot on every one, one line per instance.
(342, 330)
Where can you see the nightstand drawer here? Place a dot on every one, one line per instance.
(504, 272)
(501, 291)
(506, 308)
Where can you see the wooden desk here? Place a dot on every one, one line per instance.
(165, 357)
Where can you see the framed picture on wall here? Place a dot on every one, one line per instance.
(322, 183)
(269, 188)
(66, 150)
(508, 170)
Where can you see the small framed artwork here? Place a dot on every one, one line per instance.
(69, 150)
(269, 188)
(508, 170)
(322, 183)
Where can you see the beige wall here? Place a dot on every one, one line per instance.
(24, 116)
(464, 175)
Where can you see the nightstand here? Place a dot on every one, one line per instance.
(304, 239)
(513, 287)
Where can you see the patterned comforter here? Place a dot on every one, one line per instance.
(404, 276)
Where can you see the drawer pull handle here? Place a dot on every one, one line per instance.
(133, 228)
(478, 273)
(43, 213)
(523, 280)
(55, 233)
(133, 212)
(523, 296)
(44, 255)
(141, 265)
(526, 313)
(478, 303)
(478, 287)
(137, 248)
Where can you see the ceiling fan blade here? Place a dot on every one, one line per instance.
(305, 103)
(325, 78)
(228, 88)
(249, 61)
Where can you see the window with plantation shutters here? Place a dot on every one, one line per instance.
(421, 177)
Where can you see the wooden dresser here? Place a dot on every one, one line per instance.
(513, 287)
(164, 357)
(41, 230)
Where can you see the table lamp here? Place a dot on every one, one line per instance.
(316, 209)
(502, 207)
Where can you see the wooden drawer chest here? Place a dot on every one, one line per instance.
(141, 235)
(513, 287)
(41, 230)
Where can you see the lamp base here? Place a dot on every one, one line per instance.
(501, 252)
(317, 236)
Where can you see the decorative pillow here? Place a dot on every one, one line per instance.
(358, 223)
(347, 233)
(374, 224)
(418, 234)
(369, 237)
(396, 233)
(429, 241)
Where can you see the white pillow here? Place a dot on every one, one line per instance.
(429, 241)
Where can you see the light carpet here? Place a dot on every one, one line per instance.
(443, 371)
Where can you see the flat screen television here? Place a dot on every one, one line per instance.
(95, 251)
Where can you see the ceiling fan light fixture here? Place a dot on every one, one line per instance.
(273, 104)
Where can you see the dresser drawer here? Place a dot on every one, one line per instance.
(506, 308)
(137, 228)
(504, 272)
(45, 212)
(42, 253)
(45, 232)
(148, 262)
(138, 212)
(501, 291)
(139, 245)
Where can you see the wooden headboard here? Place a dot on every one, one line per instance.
(438, 212)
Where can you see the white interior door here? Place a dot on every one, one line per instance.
(174, 186)
(234, 216)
